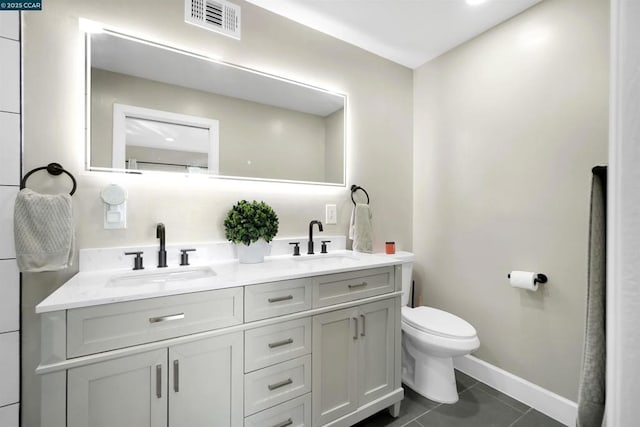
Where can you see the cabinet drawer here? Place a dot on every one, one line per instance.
(277, 299)
(343, 287)
(276, 384)
(106, 327)
(276, 343)
(294, 413)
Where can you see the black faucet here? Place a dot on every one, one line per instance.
(162, 253)
(310, 251)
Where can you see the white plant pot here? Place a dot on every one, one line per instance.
(253, 253)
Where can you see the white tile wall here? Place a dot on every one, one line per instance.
(7, 202)
(9, 75)
(9, 186)
(9, 26)
(9, 415)
(10, 296)
(9, 148)
(9, 368)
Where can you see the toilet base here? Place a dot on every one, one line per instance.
(433, 377)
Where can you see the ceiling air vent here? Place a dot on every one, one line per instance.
(215, 15)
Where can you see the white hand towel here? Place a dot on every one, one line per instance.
(352, 222)
(43, 231)
(361, 228)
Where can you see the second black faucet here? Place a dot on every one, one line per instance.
(162, 253)
(310, 246)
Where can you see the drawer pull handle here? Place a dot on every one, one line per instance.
(159, 381)
(278, 299)
(176, 376)
(357, 285)
(166, 318)
(364, 322)
(281, 343)
(285, 423)
(280, 384)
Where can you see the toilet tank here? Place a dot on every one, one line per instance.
(407, 269)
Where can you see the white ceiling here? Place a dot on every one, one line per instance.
(409, 32)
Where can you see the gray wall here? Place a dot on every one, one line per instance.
(379, 137)
(506, 130)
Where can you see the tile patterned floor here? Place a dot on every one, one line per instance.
(479, 406)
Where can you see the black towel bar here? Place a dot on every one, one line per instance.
(53, 169)
(355, 188)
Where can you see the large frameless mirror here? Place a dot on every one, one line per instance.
(151, 107)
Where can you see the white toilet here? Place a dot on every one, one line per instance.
(430, 339)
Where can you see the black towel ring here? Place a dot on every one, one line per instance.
(355, 188)
(53, 169)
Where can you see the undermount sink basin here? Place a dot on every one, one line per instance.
(161, 277)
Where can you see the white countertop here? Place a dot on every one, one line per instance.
(90, 288)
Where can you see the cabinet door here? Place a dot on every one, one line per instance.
(206, 382)
(129, 391)
(334, 378)
(376, 342)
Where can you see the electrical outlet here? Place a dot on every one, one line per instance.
(331, 214)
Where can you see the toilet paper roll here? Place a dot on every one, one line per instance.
(523, 279)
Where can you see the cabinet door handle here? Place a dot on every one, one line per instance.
(355, 332)
(364, 320)
(159, 381)
(176, 375)
(280, 384)
(281, 343)
(357, 285)
(167, 318)
(278, 299)
(285, 423)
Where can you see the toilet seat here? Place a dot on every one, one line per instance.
(437, 322)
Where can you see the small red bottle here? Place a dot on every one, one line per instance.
(390, 248)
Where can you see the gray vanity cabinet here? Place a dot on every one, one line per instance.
(334, 375)
(321, 350)
(376, 355)
(119, 392)
(354, 359)
(205, 382)
(195, 384)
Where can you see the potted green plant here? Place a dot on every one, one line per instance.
(251, 226)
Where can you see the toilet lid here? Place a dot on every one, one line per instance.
(437, 322)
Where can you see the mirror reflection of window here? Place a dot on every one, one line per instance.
(154, 140)
(156, 145)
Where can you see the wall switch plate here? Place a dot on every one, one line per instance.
(331, 214)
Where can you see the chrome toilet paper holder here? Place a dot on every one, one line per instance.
(540, 278)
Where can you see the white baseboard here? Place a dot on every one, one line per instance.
(555, 406)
